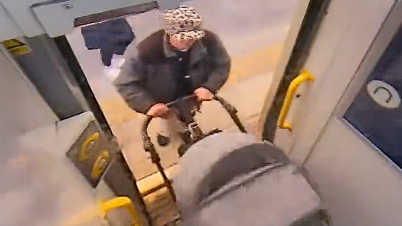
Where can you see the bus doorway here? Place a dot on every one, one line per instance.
(253, 33)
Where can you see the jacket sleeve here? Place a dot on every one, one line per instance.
(130, 83)
(221, 66)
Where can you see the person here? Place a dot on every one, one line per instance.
(112, 38)
(173, 62)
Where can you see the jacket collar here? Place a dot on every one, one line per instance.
(197, 51)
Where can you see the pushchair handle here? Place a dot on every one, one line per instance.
(226, 105)
(171, 104)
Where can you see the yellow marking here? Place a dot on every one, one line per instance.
(16, 47)
(303, 77)
(83, 153)
(255, 63)
(100, 164)
(116, 110)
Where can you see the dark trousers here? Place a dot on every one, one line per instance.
(107, 52)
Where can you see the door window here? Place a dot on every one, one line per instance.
(376, 111)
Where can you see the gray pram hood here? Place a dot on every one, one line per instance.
(232, 179)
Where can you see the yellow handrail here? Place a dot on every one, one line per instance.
(304, 76)
(102, 210)
(120, 202)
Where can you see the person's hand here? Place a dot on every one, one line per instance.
(204, 94)
(158, 110)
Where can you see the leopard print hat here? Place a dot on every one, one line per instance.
(183, 23)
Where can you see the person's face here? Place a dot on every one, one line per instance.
(181, 45)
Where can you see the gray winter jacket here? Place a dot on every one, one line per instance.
(147, 79)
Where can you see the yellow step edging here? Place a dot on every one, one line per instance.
(155, 180)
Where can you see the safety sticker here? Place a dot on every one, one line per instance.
(17, 46)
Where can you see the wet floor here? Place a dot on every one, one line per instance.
(253, 32)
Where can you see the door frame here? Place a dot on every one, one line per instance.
(305, 25)
(391, 26)
(342, 63)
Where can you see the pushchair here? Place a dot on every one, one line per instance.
(230, 178)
